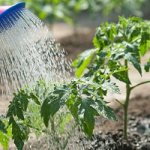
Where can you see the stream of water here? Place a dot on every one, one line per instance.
(28, 52)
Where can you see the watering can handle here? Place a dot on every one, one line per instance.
(3, 8)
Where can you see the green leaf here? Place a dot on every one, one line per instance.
(73, 103)
(86, 116)
(64, 121)
(110, 86)
(35, 98)
(104, 110)
(4, 140)
(18, 105)
(118, 71)
(83, 61)
(132, 55)
(20, 133)
(147, 66)
(134, 61)
(145, 43)
(122, 76)
(49, 107)
(2, 125)
(5, 132)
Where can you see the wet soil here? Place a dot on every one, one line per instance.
(108, 135)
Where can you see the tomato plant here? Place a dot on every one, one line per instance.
(83, 99)
(24, 117)
(117, 46)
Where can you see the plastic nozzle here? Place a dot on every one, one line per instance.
(4, 10)
(9, 15)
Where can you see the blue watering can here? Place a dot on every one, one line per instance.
(6, 11)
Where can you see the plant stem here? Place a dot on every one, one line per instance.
(52, 125)
(126, 104)
(144, 82)
(122, 104)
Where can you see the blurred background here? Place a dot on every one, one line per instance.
(73, 22)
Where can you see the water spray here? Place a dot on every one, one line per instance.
(28, 52)
(6, 11)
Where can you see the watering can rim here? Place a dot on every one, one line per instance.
(13, 8)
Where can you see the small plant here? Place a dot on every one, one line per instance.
(117, 46)
(24, 117)
(83, 98)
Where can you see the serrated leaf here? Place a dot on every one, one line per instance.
(145, 43)
(104, 110)
(83, 61)
(134, 61)
(86, 116)
(53, 102)
(18, 105)
(19, 112)
(72, 103)
(122, 76)
(111, 87)
(15, 109)
(109, 113)
(19, 143)
(132, 55)
(49, 107)
(118, 71)
(20, 133)
(2, 126)
(147, 66)
(111, 32)
(35, 98)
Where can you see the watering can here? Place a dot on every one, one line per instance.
(5, 11)
(8, 9)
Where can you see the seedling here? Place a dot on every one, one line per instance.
(117, 46)
(24, 117)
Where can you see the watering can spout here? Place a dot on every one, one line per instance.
(10, 14)
(8, 9)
